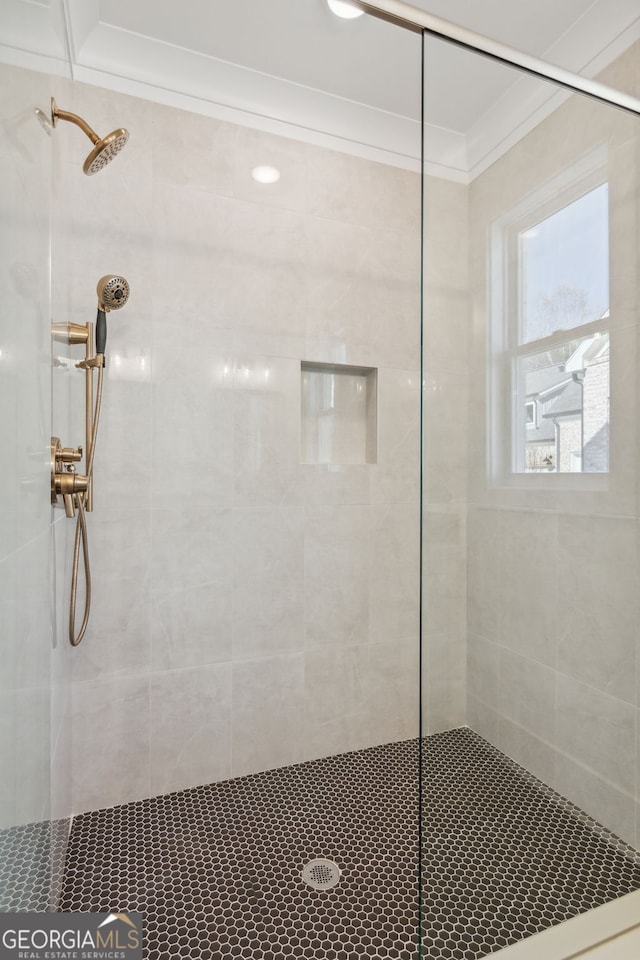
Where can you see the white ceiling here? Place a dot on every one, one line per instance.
(290, 66)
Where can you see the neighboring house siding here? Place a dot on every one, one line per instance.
(596, 417)
(570, 441)
(577, 404)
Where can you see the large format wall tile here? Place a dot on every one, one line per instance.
(536, 755)
(597, 731)
(25, 427)
(336, 700)
(117, 643)
(597, 796)
(218, 554)
(193, 259)
(394, 298)
(338, 326)
(269, 272)
(211, 142)
(192, 626)
(637, 794)
(190, 715)
(395, 477)
(336, 551)
(446, 274)
(484, 571)
(182, 541)
(25, 756)
(267, 713)
(266, 432)
(268, 590)
(553, 561)
(336, 484)
(110, 742)
(444, 681)
(342, 187)
(598, 603)
(394, 571)
(192, 414)
(483, 658)
(527, 694)
(392, 689)
(444, 573)
(528, 576)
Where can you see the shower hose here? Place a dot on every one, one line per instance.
(81, 530)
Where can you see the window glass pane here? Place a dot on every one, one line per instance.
(564, 263)
(565, 407)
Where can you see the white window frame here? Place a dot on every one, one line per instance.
(505, 401)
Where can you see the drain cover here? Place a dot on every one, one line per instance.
(321, 874)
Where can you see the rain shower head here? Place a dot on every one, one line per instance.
(104, 149)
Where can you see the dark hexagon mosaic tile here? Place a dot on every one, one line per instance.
(25, 866)
(505, 856)
(216, 870)
(31, 865)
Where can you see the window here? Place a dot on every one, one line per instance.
(530, 417)
(550, 330)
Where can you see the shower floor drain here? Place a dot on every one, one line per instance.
(321, 874)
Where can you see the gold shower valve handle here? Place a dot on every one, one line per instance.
(69, 455)
(67, 485)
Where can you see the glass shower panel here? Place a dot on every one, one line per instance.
(257, 612)
(299, 540)
(30, 714)
(530, 468)
(25, 157)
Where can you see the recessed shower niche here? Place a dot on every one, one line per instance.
(338, 413)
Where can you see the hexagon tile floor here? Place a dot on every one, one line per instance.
(216, 870)
(31, 866)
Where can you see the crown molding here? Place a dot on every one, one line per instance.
(33, 36)
(168, 74)
(108, 56)
(528, 101)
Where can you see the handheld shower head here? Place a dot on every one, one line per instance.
(104, 149)
(113, 293)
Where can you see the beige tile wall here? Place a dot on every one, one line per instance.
(25, 408)
(445, 441)
(249, 610)
(553, 572)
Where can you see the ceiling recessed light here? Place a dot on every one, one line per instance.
(342, 8)
(266, 174)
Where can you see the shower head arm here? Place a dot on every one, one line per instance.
(57, 114)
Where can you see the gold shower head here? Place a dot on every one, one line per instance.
(113, 292)
(104, 149)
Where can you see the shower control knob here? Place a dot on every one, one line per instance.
(69, 455)
(70, 483)
(67, 485)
